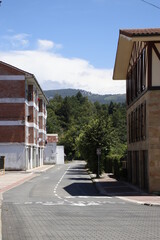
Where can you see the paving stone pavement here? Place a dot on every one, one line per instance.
(11, 179)
(105, 222)
(76, 217)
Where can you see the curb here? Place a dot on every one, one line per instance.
(100, 188)
(140, 202)
(17, 183)
(39, 170)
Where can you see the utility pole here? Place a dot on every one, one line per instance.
(98, 154)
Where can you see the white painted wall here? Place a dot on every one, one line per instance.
(53, 154)
(15, 156)
(50, 155)
(60, 155)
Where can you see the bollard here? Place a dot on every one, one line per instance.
(2, 164)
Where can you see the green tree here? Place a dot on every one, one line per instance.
(68, 140)
(53, 121)
(118, 126)
(94, 135)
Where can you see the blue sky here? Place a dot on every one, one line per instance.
(70, 43)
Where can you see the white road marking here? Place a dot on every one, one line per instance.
(77, 203)
(93, 203)
(86, 200)
(28, 203)
(60, 198)
(70, 203)
(80, 204)
(38, 202)
(55, 188)
(95, 197)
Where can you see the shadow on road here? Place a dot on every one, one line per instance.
(81, 184)
(81, 189)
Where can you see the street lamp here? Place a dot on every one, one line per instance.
(98, 154)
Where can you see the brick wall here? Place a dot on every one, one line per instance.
(8, 70)
(30, 119)
(12, 111)
(31, 136)
(12, 134)
(12, 89)
(154, 139)
(40, 122)
(52, 139)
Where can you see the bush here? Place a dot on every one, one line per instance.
(112, 164)
(108, 164)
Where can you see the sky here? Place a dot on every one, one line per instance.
(71, 43)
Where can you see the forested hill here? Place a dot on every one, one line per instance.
(117, 98)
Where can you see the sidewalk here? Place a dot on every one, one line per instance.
(13, 178)
(107, 185)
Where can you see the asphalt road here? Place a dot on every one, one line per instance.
(63, 203)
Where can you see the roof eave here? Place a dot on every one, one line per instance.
(146, 38)
(123, 54)
(125, 44)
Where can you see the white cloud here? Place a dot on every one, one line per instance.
(76, 73)
(45, 45)
(18, 40)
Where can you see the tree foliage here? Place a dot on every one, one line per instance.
(84, 126)
(95, 135)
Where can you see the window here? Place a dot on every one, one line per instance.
(129, 128)
(136, 79)
(40, 105)
(137, 124)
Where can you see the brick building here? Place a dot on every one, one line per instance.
(138, 62)
(22, 118)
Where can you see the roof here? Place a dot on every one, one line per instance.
(127, 37)
(141, 32)
(28, 75)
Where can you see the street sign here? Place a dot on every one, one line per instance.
(98, 151)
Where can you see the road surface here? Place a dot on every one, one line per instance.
(63, 203)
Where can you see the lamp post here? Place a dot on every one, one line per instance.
(98, 154)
